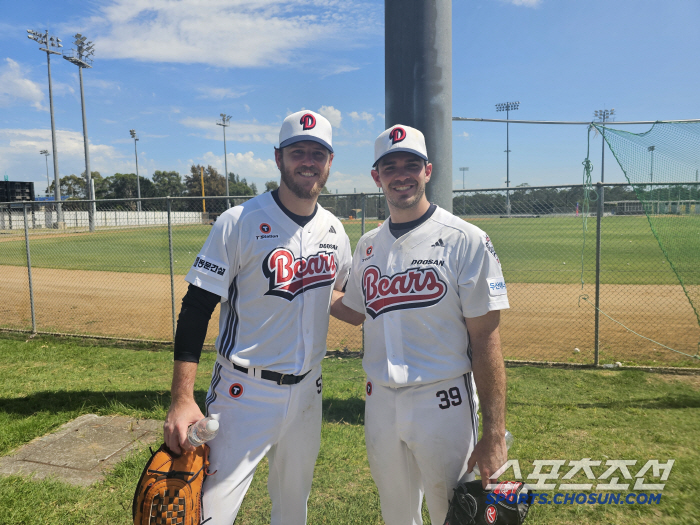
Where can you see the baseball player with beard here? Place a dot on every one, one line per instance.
(274, 263)
(429, 288)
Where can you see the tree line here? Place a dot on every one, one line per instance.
(162, 184)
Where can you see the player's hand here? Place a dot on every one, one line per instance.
(490, 453)
(180, 416)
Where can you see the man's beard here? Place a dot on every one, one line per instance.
(298, 190)
(404, 204)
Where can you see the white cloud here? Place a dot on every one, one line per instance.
(367, 117)
(348, 183)
(337, 70)
(245, 33)
(246, 165)
(19, 154)
(219, 93)
(15, 86)
(464, 134)
(241, 131)
(525, 3)
(333, 115)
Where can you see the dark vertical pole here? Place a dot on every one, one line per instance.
(418, 81)
(29, 268)
(507, 162)
(599, 216)
(172, 275)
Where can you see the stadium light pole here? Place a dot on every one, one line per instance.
(602, 115)
(46, 154)
(138, 184)
(44, 39)
(508, 107)
(81, 56)
(224, 124)
(651, 176)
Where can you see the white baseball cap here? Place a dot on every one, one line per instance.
(400, 138)
(306, 125)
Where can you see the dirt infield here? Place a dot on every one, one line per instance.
(545, 322)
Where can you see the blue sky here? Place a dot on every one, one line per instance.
(168, 69)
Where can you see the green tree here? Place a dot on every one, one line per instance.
(100, 183)
(214, 183)
(123, 186)
(168, 183)
(70, 185)
(238, 186)
(271, 185)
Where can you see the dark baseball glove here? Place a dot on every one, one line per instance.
(506, 504)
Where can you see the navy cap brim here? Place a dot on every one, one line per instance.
(398, 150)
(299, 138)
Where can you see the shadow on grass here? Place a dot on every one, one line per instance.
(335, 410)
(655, 403)
(63, 401)
(351, 410)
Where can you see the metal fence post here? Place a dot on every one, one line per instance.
(29, 267)
(363, 205)
(172, 276)
(599, 216)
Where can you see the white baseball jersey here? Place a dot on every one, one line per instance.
(415, 292)
(275, 279)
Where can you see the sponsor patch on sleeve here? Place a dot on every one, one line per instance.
(209, 267)
(497, 286)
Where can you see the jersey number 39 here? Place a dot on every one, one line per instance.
(448, 398)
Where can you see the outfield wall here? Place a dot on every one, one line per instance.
(13, 219)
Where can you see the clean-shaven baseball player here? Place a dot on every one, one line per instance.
(429, 288)
(273, 264)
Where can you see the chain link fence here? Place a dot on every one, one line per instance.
(116, 268)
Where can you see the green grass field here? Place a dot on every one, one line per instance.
(553, 414)
(544, 250)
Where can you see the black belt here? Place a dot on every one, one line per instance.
(280, 379)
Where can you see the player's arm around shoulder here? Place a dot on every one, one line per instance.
(338, 309)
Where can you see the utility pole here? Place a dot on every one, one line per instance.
(81, 57)
(44, 39)
(224, 124)
(651, 176)
(46, 154)
(138, 183)
(418, 82)
(507, 107)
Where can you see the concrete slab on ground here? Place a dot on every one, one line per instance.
(82, 450)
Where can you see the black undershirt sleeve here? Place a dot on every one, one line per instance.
(197, 307)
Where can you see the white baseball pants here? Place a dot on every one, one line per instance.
(419, 439)
(259, 418)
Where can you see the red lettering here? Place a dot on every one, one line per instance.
(414, 288)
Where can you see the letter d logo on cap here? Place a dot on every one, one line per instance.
(308, 121)
(397, 135)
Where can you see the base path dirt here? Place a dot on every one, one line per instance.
(545, 321)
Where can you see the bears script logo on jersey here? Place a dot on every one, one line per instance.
(414, 288)
(289, 276)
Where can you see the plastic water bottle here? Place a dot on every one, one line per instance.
(509, 443)
(202, 431)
